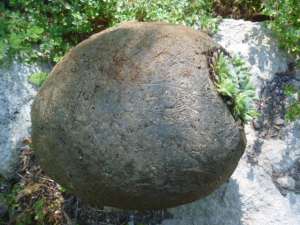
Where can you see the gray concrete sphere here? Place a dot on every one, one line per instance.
(130, 118)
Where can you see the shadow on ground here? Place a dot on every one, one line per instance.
(223, 207)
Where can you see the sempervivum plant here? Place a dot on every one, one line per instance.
(232, 79)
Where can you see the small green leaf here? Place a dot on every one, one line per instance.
(39, 210)
(38, 78)
(2, 50)
(233, 80)
(289, 90)
(15, 41)
(227, 88)
(35, 32)
(293, 112)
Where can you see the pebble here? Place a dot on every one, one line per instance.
(279, 121)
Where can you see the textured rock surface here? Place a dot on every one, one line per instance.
(254, 43)
(16, 96)
(131, 119)
(253, 195)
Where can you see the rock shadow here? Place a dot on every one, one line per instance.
(290, 163)
(272, 108)
(222, 207)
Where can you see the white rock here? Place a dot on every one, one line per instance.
(16, 96)
(251, 197)
(286, 182)
(256, 45)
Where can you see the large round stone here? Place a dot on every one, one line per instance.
(130, 118)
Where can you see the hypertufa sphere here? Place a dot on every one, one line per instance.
(130, 119)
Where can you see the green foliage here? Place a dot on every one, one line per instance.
(62, 189)
(293, 112)
(25, 208)
(47, 29)
(38, 78)
(285, 23)
(289, 90)
(293, 109)
(10, 199)
(233, 81)
(38, 29)
(286, 27)
(191, 13)
(40, 215)
(237, 9)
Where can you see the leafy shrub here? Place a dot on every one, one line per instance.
(191, 13)
(10, 199)
(232, 79)
(293, 109)
(47, 29)
(246, 9)
(39, 29)
(285, 23)
(39, 211)
(38, 78)
(286, 27)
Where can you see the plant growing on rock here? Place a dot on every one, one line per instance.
(232, 79)
(293, 108)
(38, 78)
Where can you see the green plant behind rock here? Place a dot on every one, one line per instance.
(10, 199)
(191, 13)
(293, 108)
(232, 79)
(38, 78)
(51, 26)
(238, 9)
(39, 211)
(285, 24)
(38, 29)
